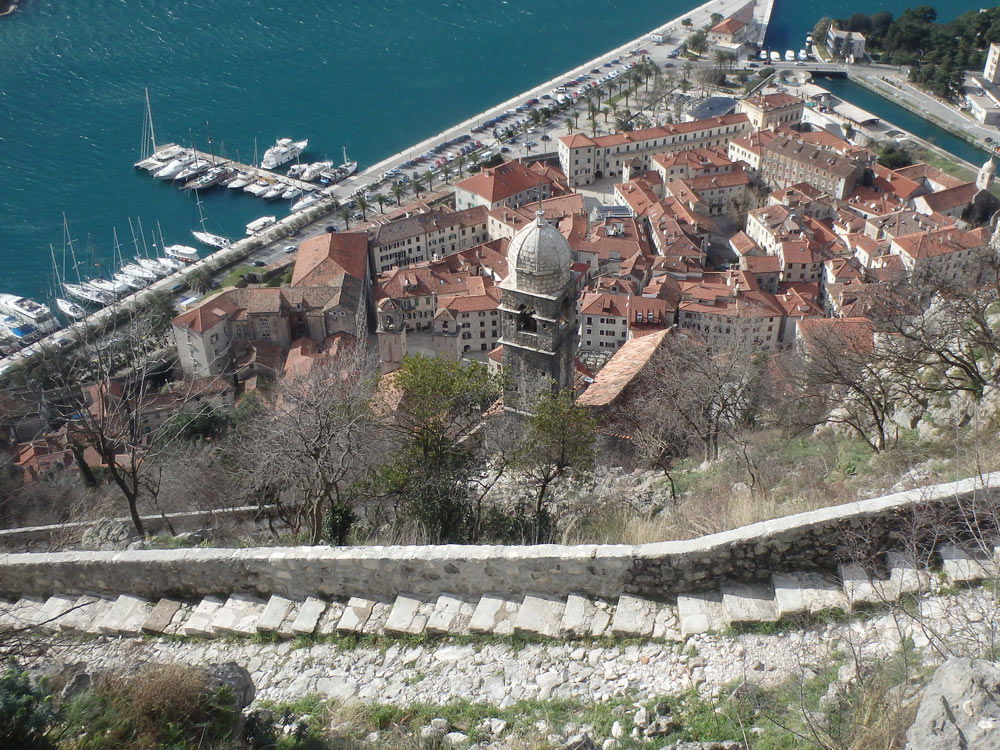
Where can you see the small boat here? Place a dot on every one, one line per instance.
(35, 313)
(211, 178)
(212, 240)
(241, 180)
(763, 54)
(88, 294)
(181, 252)
(153, 266)
(70, 309)
(789, 55)
(292, 192)
(161, 158)
(809, 38)
(313, 170)
(775, 56)
(16, 327)
(193, 169)
(296, 170)
(133, 282)
(136, 269)
(274, 192)
(170, 265)
(259, 225)
(305, 201)
(803, 55)
(282, 152)
(259, 187)
(116, 288)
(175, 166)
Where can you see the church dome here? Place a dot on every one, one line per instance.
(538, 259)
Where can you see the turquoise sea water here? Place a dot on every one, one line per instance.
(375, 76)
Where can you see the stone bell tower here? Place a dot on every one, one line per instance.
(391, 334)
(537, 315)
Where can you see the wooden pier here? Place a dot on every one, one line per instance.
(256, 172)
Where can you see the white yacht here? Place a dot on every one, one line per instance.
(35, 313)
(115, 288)
(212, 240)
(137, 269)
(181, 252)
(313, 170)
(305, 201)
(134, 283)
(87, 294)
(763, 54)
(258, 187)
(259, 225)
(789, 55)
(292, 192)
(282, 152)
(174, 167)
(803, 55)
(70, 309)
(240, 181)
(775, 56)
(193, 169)
(153, 265)
(296, 170)
(273, 192)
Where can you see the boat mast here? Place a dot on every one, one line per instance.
(345, 154)
(201, 214)
(68, 240)
(149, 118)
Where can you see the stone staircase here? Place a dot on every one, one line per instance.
(732, 604)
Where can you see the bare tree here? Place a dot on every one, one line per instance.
(309, 442)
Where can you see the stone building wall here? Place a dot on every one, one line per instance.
(814, 540)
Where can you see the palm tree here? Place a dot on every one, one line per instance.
(606, 111)
(363, 206)
(345, 214)
(398, 190)
(429, 180)
(460, 164)
(569, 124)
(416, 184)
(446, 171)
(380, 199)
(199, 281)
(576, 119)
(592, 115)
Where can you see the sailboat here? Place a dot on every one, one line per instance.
(80, 290)
(204, 236)
(68, 308)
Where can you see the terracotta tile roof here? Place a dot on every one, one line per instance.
(940, 242)
(768, 102)
(951, 198)
(499, 183)
(481, 296)
(625, 367)
(554, 208)
(761, 263)
(420, 224)
(727, 26)
(694, 159)
(322, 259)
(925, 172)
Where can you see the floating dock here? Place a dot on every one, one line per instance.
(257, 173)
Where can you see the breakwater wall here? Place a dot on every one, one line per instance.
(816, 540)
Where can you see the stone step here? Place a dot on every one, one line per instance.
(25, 612)
(744, 604)
(161, 616)
(356, 615)
(860, 587)
(307, 618)
(408, 616)
(238, 616)
(55, 607)
(494, 615)
(450, 615)
(964, 565)
(330, 618)
(86, 610)
(540, 615)
(802, 593)
(125, 616)
(376, 620)
(906, 575)
(274, 614)
(578, 616)
(634, 617)
(700, 613)
(199, 621)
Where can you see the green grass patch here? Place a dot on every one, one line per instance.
(235, 275)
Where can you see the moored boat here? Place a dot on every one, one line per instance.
(282, 152)
(136, 269)
(154, 265)
(133, 282)
(88, 294)
(273, 192)
(193, 169)
(35, 313)
(70, 309)
(314, 169)
(292, 192)
(182, 252)
(241, 180)
(174, 166)
(305, 201)
(789, 55)
(212, 240)
(16, 327)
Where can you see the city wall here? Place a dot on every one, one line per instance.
(813, 540)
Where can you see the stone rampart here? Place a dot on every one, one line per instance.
(813, 540)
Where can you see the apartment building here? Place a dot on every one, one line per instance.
(421, 236)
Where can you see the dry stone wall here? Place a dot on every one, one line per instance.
(813, 540)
